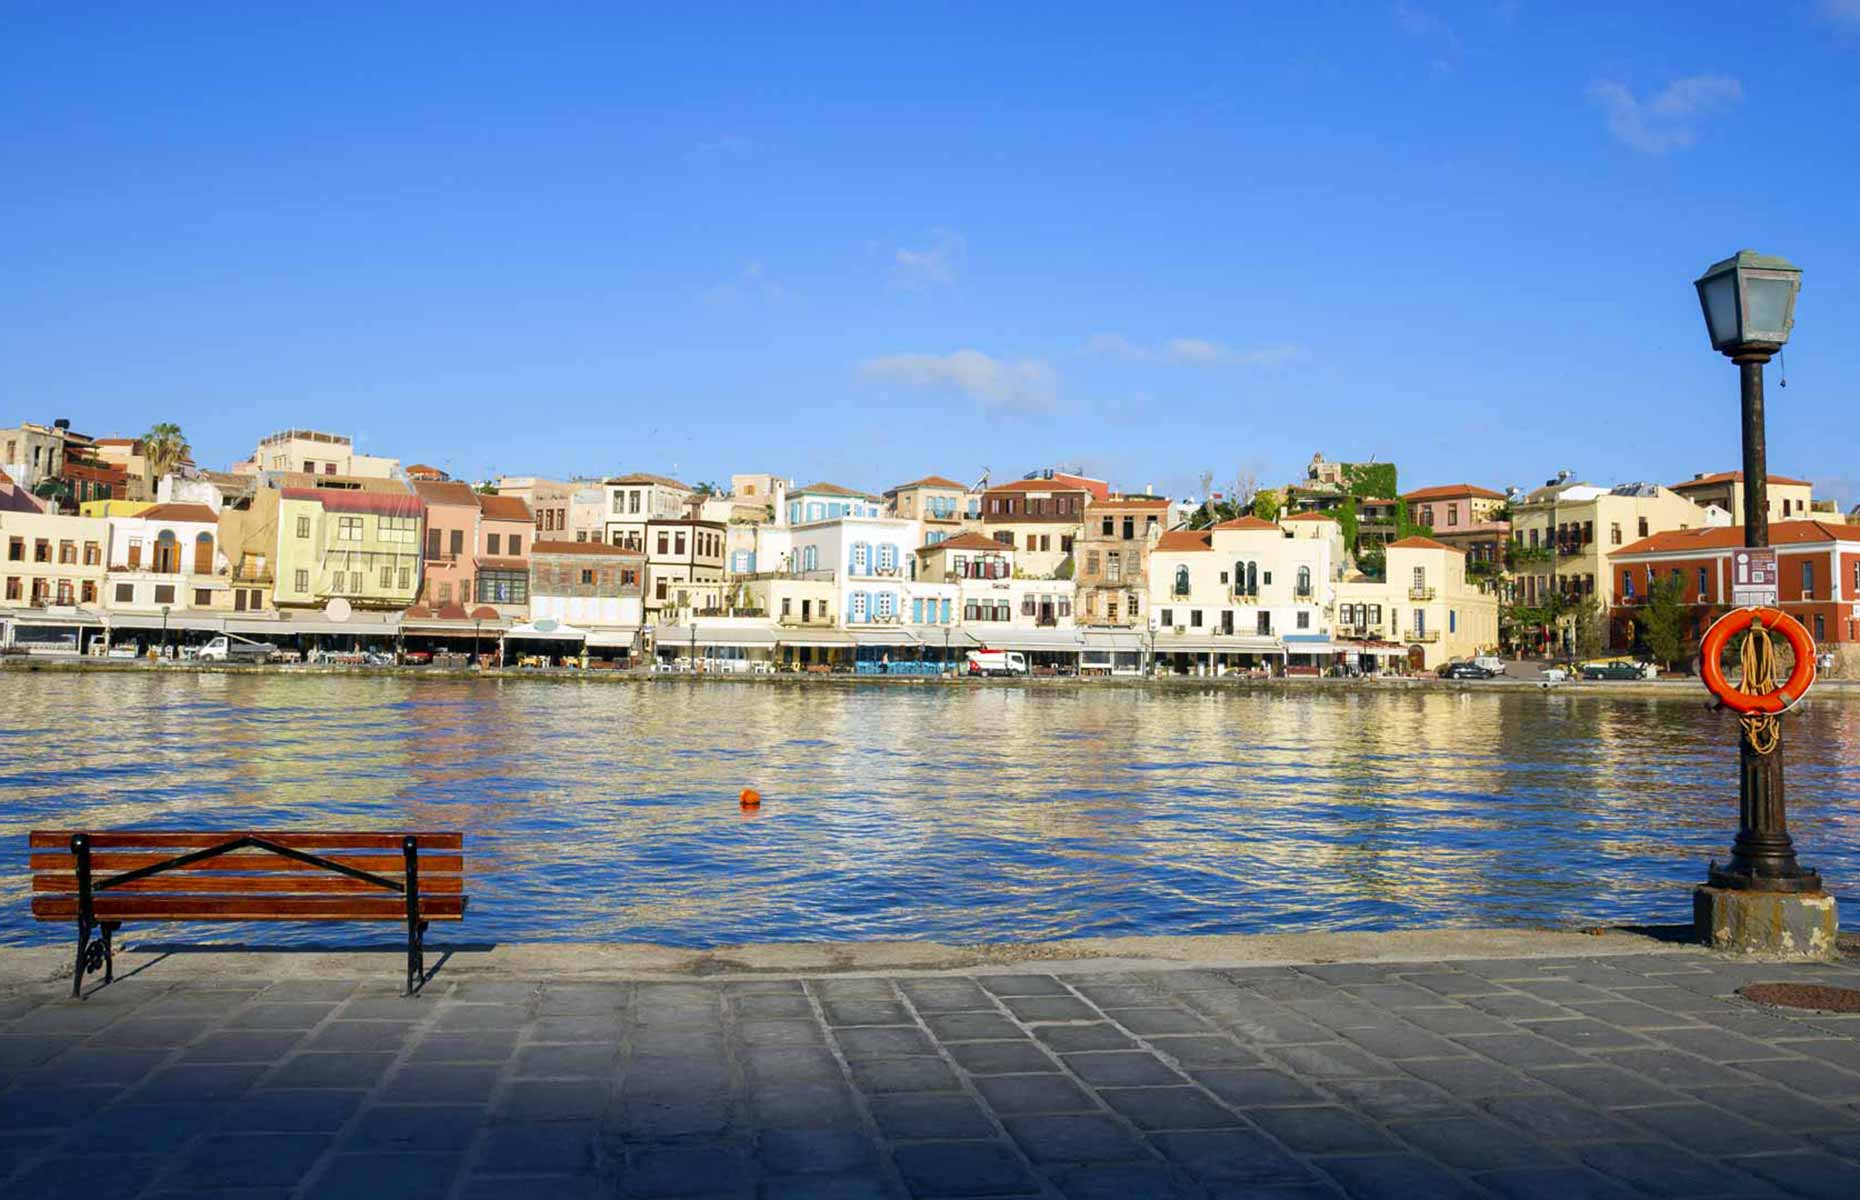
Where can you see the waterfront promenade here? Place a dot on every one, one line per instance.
(1464, 1064)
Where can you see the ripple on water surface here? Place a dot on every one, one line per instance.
(604, 811)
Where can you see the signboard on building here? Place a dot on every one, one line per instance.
(1753, 576)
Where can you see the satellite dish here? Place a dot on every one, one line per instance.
(338, 610)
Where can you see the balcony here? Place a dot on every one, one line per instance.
(1246, 597)
(1422, 635)
(1301, 593)
(1420, 593)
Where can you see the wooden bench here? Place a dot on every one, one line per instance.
(100, 879)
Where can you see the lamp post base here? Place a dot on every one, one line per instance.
(1732, 879)
(1780, 926)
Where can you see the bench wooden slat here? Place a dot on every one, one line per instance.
(323, 883)
(105, 864)
(249, 908)
(159, 839)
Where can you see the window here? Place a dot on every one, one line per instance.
(1821, 628)
(861, 556)
(1130, 528)
(16, 551)
(505, 587)
(125, 593)
(1181, 581)
(1703, 586)
(348, 529)
(67, 553)
(1808, 580)
(859, 609)
(493, 543)
(917, 610)
(665, 542)
(1427, 515)
(1065, 543)
(587, 577)
(1643, 527)
(1168, 617)
(1194, 618)
(1304, 619)
(203, 597)
(1091, 563)
(885, 606)
(887, 557)
(302, 581)
(458, 542)
(1533, 539)
(1264, 624)
(41, 550)
(1304, 582)
(658, 590)
(1453, 620)
(303, 525)
(1453, 515)
(1113, 566)
(87, 592)
(678, 543)
(1627, 584)
(164, 593)
(406, 579)
(64, 591)
(387, 577)
(403, 531)
(946, 611)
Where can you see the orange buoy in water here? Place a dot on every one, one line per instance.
(751, 798)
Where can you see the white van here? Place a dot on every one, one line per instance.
(997, 662)
(236, 649)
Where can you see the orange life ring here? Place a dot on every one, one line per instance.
(1711, 649)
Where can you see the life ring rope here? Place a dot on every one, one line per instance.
(1756, 698)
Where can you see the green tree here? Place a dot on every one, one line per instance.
(1662, 621)
(1590, 627)
(1268, 505)
(165, 448)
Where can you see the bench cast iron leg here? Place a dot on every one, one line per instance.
(83, 948)
(416, 928)
(109, 955)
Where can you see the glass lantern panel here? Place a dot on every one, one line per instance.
(1767, 308)
(1720, 293)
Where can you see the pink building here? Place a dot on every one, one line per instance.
(451, 541)
(502, 564)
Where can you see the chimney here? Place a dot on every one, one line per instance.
(1698, 474)
(62, 424)
(1149, 489)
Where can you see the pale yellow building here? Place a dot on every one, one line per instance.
(1789, 499)
(312, 452)
(52, 559)
(1425, 602)
(356, 546)
(1575, 527)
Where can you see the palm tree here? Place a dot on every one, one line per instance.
(165, 448)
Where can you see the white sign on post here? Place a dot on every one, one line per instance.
(1753, 577)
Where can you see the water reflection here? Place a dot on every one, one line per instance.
(607, 811)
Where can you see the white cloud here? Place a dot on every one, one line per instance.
(1195, 352)
(753, 283)
(938, 265)
(1669, 120)
(1024, 385)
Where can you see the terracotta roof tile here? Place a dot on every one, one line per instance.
(594, 548)
(1185, 540)
(966, 541)
(504, 508)
(935, 481)
(641, 477)
(1454, 491)
(1137, 502)
(180, 512)
(1735, 477)
(1417, 542)
(831, 489)
(393, 504)
(1726, 537)
(1248, 522)
(445, 491)
(1312, 516)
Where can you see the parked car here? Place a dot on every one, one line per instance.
(1553, 675)
(1617, 668)
(1464, 670)
(226, 648)
(417, 658)
(1490, 662)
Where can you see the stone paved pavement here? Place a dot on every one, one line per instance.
(1617, 1076)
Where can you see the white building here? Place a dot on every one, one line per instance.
(167, 557)
(1244, 594)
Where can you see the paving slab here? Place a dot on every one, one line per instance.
(1639, 1073)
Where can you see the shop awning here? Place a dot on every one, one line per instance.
(546, 630)
(1295, 644)
(941, 636)
(813, 637)
(883, 637)
(1113, 639)
(613, 637)
(1216, 643)
(196, 621)
(1058, 641)
(54, 615)
(746, 636)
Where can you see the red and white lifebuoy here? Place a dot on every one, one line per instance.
(1801, 678)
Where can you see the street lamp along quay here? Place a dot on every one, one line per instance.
(1762, 899)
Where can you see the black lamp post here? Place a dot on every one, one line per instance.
(164, 631)
(1749, 305)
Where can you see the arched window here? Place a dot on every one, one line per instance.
(1304, 581)
(1239, 578)
(1181, 581)
(810, 558)
(167, 553)
(1252, 579)
(203, 554)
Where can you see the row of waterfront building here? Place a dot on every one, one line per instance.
(309, 544)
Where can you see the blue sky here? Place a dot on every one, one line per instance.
(1150, 240)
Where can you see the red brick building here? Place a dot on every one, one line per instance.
(1818, 561)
